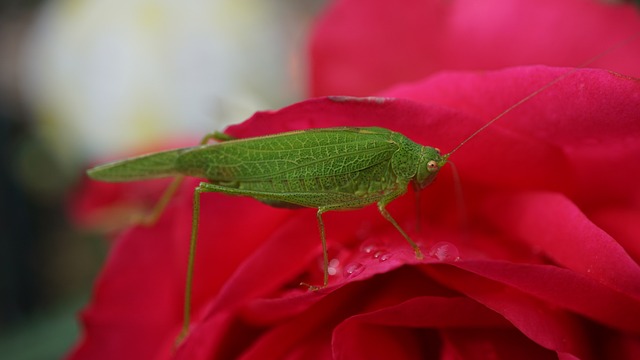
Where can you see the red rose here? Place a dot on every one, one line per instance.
(548, 262)
(544, 266)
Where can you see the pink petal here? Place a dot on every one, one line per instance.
(135, 306)
(362, 47)
(393, 331)
(495, 343)
(622, 225)
(541, 322)
(564, 234)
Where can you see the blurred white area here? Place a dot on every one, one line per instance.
(110, 77)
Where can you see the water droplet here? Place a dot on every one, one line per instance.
(368, 249)
(385, 257)
(334, 264)
(371, 246)
(382, 255)
(353, 269)
(445, 251)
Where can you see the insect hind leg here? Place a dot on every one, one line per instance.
(202, 188)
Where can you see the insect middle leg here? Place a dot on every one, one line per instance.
(382, 208)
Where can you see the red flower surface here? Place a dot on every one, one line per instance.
(361, 47)
(540, 258)
(547, 265)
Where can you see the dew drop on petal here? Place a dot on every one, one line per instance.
(333, 267)
(445, 251)
(353, 269)
(382, 255)
(385, 257)
(368, 248)
(372, 245)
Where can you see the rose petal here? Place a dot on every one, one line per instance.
(381, 332)
(558, 139)
(560, 230)
(542, 322)
(119, 317)
(304, 333)
(352, 54)
(321, 317)
(496, 343)
(622, 225)
(565, 289)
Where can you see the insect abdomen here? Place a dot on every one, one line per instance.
(151, 166)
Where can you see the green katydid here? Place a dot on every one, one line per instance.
(326, 169)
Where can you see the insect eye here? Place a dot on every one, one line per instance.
(432, 166)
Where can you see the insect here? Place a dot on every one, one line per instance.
(327, 169)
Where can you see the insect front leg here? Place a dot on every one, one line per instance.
(382, 208)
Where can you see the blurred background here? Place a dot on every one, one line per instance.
(83, 81)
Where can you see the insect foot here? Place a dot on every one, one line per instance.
(313, 287)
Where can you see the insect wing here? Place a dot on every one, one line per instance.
(295, 156)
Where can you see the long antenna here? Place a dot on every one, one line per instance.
(544, 87)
